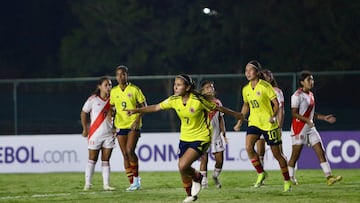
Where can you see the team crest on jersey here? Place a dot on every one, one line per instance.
(129, 95)
(258, 93)
(192, 110)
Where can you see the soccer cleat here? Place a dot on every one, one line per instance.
(138, 180)
(135, 185)
(87, 187)
(217, 182)
(196, 185)
(294, 181)
(333, 179)
(190, 199)
(260, 179)
(287, 186)
(108, 188)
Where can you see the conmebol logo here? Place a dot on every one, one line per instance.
(27, 154)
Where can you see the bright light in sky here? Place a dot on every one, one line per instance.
(206, 10)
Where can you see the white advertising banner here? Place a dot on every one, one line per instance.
(156, 152)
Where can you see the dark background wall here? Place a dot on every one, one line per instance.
(53, 106)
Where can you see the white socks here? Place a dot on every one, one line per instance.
(217, 172)
(291, 171)
(90, 168)
(89, 171)
(106, 172)
(326, 168)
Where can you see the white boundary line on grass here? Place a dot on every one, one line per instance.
(47, 195)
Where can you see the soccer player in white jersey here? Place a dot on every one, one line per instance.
(99, 134)
(303, 130)
(217, 145)
(260, 144)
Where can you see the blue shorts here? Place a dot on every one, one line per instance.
(199, 146)
(122, 132)
(272, 137)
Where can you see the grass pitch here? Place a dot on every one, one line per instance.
(167, 187)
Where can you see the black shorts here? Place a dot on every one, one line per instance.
(121, 132)
(199, 146)
(272, 137)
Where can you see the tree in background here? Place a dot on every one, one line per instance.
(90, 37)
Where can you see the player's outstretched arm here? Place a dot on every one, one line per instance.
(244, 110)
(328, 118)
(237, 115)
(145, 109)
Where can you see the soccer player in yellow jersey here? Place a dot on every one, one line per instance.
(260, 144)
(192, 109)
(123, 96)
(261, 103)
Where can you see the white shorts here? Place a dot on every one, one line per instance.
(307, 136)
(96, 143)
(217, 144)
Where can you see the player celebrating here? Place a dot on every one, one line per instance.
(195, 131)
(217, 146)
(100, 133)
(127, 95)
(303, 130)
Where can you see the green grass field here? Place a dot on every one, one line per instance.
(167, 187)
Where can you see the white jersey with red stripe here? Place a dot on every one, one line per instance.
(305, 102)
(279, 96)
(95, 106)
(217, 144)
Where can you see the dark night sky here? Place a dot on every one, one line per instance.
(30, 35)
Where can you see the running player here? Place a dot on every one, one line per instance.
(217, 146)
(99, 134)
(303, 130)
(192, 109)
(127, 95)
(262, 105)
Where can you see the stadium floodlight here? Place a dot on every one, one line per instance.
(208, 11)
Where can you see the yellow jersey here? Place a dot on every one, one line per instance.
(259, 100)
(127, 99)
(195, 122)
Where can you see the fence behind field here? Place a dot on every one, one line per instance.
(52, 106)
